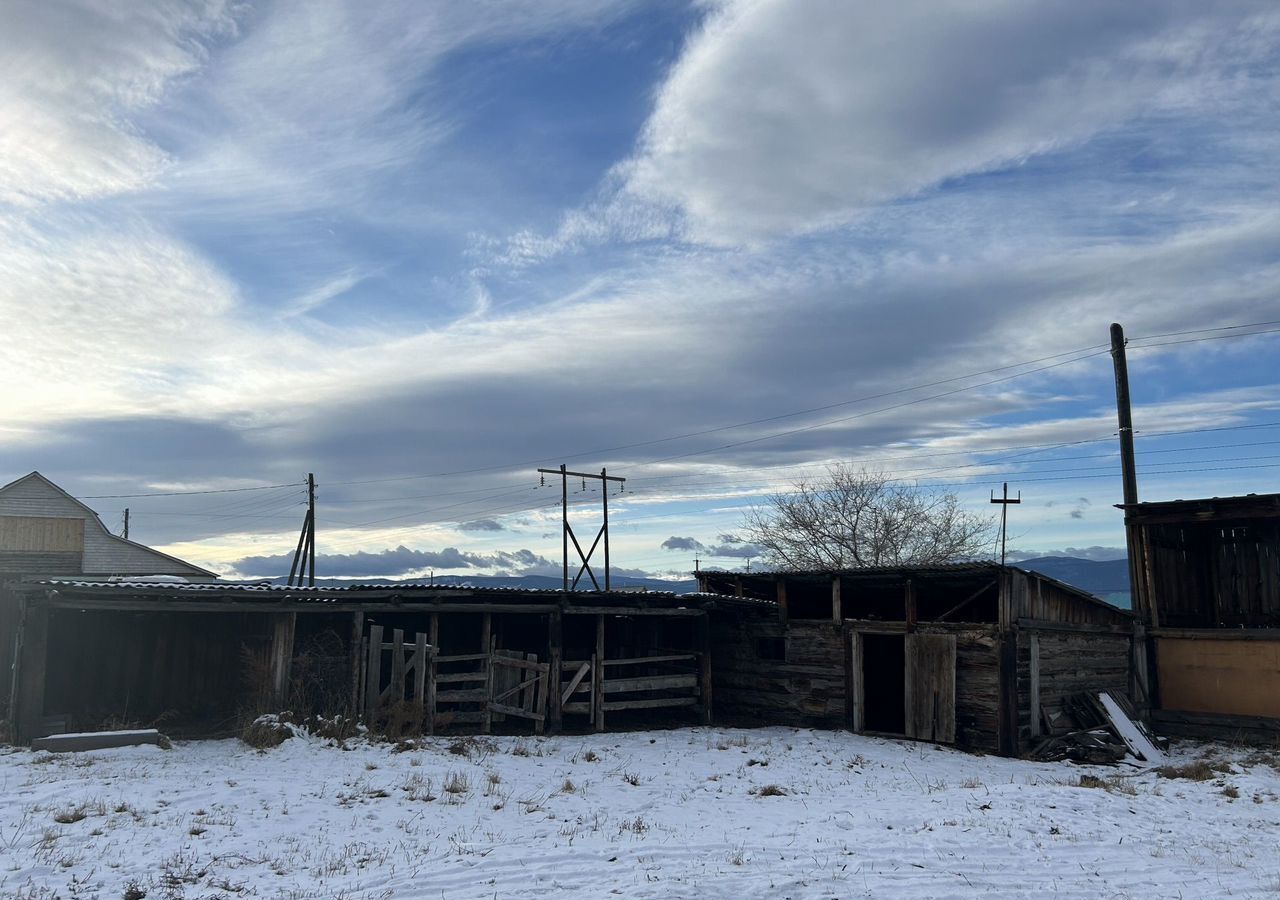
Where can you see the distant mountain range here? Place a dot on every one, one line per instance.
(1108, 579)
(535, 582)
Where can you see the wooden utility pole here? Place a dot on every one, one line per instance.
(1124, 415)
(1004, 502)
(304, 557)
(126, 523)
(604, 478)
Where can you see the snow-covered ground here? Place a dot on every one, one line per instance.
(701, 812)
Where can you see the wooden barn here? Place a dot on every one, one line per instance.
(45, 532)
(976, 654)
(1207, 587)
(198, 659)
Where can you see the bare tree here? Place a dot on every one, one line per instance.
(856, 518)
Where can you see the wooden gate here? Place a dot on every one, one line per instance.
(519, 687)
(931, 687)
(593, 687)
(405, 682)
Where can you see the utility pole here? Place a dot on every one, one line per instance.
(1124, 415)
(126, 523)
(604, 478)
(1004, 502)
(304, 557)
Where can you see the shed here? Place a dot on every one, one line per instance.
(45, 532)
(975, 654)
(201, 657)
(1207, 585)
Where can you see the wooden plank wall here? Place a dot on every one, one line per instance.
(132, 668)
(1214, 574)
(1046, 601)
(807, 688)
(977, 689)
(1069, 663)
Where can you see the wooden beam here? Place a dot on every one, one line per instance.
(597, 675)
(284, 626)
(704, 668)
(357, 639)
(555, 653)
(967, 600)
(433, 638)
(909, 601)
(421, 662)
(632, 611)
(397, 666)
(1033, 691)
(782, 599)
(488, 643)
(373, 677)
(837, 614)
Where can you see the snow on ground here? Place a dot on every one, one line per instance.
(703, 812)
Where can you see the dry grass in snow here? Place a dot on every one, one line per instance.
(713, 813)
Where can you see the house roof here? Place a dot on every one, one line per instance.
(93, 515)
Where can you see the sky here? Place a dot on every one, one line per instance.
(423, 249)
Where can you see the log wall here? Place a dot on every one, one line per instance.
(1066, 663)
(807, 687)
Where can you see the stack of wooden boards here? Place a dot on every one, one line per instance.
(1096, 728)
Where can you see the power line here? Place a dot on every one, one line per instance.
(264, 487)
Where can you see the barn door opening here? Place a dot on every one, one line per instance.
(930, 701)
(883, 670)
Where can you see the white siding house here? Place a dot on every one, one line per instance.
(46, 531)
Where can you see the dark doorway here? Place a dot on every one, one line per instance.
(884, 660)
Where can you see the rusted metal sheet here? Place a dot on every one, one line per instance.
(1219, 676)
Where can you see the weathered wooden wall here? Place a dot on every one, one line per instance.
(1054, 664)
(1230, 676)
(1212, 574)
(977, 689)
(191, 669)
(1046, 601)
(806, 688)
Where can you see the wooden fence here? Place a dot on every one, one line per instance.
(417, 687)
(594, 687)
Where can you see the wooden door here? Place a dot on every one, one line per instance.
(931, 687)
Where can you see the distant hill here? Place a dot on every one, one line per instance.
(534, 582)
(1108, 578)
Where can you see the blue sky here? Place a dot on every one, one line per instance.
(421, 249)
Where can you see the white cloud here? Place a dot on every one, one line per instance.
(787, 117)
(72, 76)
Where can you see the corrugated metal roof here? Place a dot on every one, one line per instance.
(940, 568)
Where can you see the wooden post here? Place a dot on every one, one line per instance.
(285, 624)
(433, 638)
(597, 673)
(488, 646)
(1007, 674)
(397, 666)
(357, 645)
(782, 599)
(30, 664)
(855, 682)
(909, 601)
(1033, 693)
(373, 676)
(555, 652)
(837, 614)
(704, 660)
(420, 667)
